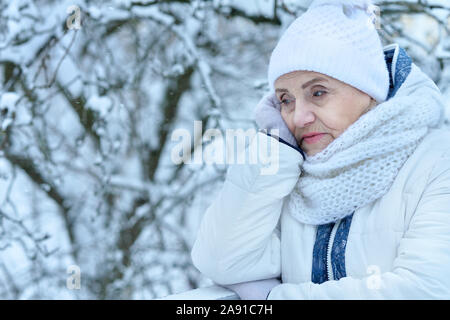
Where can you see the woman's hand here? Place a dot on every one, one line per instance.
(268, 116)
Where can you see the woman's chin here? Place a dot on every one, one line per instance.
(311, 153)
(312, 149)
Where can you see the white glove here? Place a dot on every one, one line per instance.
(254, 290)
(267, 115)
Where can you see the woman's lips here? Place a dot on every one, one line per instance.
(313, 139)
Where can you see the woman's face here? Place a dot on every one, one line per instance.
(314, 102)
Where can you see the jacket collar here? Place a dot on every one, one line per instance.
(398, 63)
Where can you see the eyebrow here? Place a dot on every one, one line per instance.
(306, 84)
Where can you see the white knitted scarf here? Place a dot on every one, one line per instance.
(360, 165)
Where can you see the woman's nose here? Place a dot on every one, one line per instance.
(302, 115)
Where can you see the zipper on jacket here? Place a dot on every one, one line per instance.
(329, 248)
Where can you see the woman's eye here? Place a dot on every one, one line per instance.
(285, 101)
(319, 93)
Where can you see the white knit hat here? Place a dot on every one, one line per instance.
(336, 38)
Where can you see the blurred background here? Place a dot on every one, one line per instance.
(91, 204)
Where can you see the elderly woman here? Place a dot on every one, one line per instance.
(360, 205)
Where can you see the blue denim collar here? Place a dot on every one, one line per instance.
(398, 63)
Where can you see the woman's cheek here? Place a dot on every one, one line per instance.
(335, 122)
(287, 120)
(284, 115)
(298, 135)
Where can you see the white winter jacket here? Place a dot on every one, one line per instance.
(398, 247)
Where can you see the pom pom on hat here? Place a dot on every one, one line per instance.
(336, 38)
(349, 6)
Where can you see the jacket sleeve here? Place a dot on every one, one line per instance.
(421, 267)
(237, 240)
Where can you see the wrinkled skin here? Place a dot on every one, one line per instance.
(327, 106)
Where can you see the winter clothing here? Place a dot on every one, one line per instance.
(243, 217)
(267, 115)
(336, 38)
(361, 164)
(395, 247)
(254, 290)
